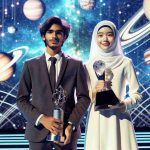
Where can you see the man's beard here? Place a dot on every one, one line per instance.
(53, 47)
(50, 46)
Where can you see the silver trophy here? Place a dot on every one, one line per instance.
(105, 96)
(59, 99)
(99, 68)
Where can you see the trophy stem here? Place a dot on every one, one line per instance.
(58, 114)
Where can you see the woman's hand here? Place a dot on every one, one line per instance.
(100, 84)
(98, 87)
(103, 85)
(121, 106)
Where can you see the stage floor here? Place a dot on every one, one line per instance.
(13, 141)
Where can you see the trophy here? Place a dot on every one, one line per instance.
(59, 99)
(105, 96)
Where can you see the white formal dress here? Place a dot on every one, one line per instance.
(112, 129)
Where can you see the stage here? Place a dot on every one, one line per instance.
(17, 141)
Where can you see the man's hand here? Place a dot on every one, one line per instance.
(68, 133)
(54, 125)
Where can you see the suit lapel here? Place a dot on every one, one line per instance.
(45, 71)
(62, 69)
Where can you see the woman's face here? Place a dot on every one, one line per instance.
(105, 38)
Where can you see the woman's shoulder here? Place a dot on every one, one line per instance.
(89, 67)
(127, 60)
(88, 64)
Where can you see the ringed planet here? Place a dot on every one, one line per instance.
(6, 68)
(130, 37)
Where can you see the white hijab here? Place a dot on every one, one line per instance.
(114, 55)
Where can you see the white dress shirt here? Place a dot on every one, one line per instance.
(58, 62)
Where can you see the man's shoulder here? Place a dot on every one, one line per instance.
(73, 59)
(34, 59)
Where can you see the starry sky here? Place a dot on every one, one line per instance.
(82, 22)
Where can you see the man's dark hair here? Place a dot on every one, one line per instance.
(55, 20)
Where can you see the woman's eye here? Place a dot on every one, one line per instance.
(111, 35)
(100, 35)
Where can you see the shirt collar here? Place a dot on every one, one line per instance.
(57, 56)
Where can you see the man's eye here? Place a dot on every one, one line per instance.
(50, 31)
(58, 32)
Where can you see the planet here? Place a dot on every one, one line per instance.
(128, 35)
(33, 9)
(147, 56)
(12, 29)
(146, 6)
(5, 73)
(8, 60)
(87, 4)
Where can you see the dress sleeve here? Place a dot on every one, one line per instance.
(134, 89)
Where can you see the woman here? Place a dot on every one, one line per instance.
(111, 129)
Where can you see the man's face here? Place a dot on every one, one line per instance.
(54, 37)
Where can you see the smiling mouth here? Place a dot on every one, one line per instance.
(105, 44)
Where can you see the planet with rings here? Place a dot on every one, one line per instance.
(8, 61)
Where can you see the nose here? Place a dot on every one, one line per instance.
(54, 34)
(105, 38)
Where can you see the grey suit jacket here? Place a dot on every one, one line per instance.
(35, 83)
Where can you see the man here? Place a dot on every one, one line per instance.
(36, 82)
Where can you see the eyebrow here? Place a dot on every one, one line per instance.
(104, 32)
(54, 30)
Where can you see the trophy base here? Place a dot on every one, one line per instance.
(53, 137)
(102, 107)
(105, 98)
